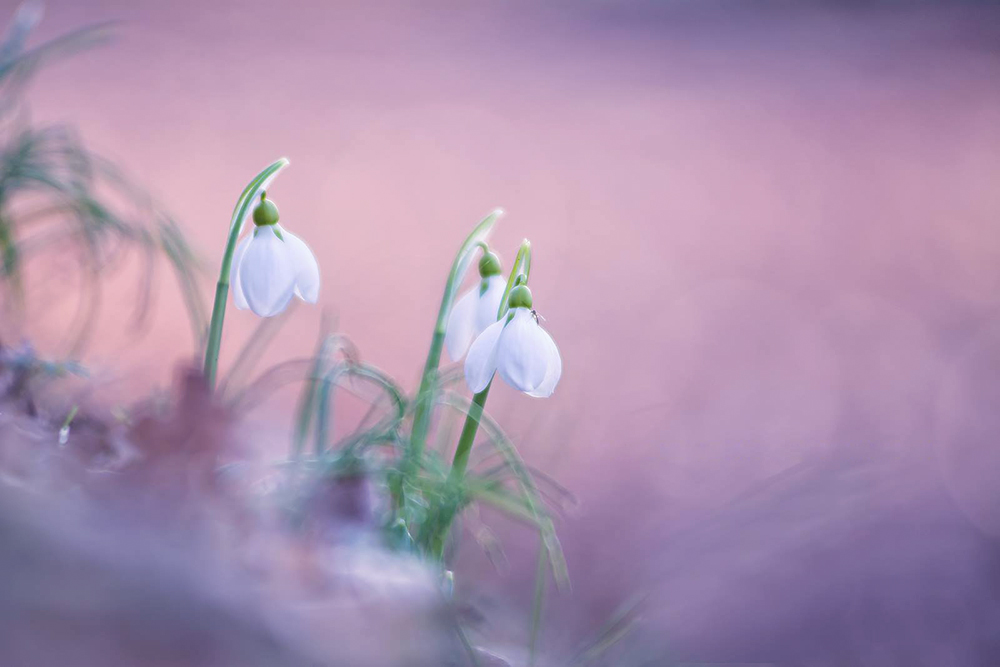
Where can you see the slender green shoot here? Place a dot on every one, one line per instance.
(621, 622)
(536, 607)
(64, 429)
(521, 268)
(253, 348)
(519, 272)
(469, 429)
(530, 500)
(247, 197)
(308, 399)
(332, 379)
(428, 380)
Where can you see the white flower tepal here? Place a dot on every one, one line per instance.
(271, 265)
(519, 349)
(473, 312)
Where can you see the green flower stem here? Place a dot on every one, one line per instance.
(425, 395)
(521, 267)
(469, 430)
(536, 606)
(520, 270)
(249, 194)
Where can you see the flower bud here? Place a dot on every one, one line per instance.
(265, 213)
(489, 264)
(520, 297)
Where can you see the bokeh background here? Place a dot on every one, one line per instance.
(766, 240)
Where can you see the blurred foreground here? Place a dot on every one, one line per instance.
(128, 546)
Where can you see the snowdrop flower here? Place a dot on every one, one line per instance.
(518, 348)
(271, 265)
(476, 309)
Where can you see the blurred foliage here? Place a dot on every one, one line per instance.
(379, 447)
(57, 195)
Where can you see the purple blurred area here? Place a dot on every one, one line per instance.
(767, 242)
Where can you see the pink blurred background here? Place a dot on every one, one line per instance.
(766, 244)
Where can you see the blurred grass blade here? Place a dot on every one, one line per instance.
(529, 492)
(254, 347)
(616, 628)
(425, 394)
(537, 602)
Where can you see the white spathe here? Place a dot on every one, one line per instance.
(520, 350)
(267, 271)
(472, 313)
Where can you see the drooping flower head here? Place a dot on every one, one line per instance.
(476, 309)
(518, 348)
(271, 265)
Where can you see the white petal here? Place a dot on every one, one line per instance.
(234, 273)
(553, 369)
(461, 324)
(306, 268)
(267, 275)
(481, 362)
(522, 353)
(489, 302)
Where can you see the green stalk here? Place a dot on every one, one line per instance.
(425, 395)
(521, 268)
(469, 429)
(536, 606)
(249, 194)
